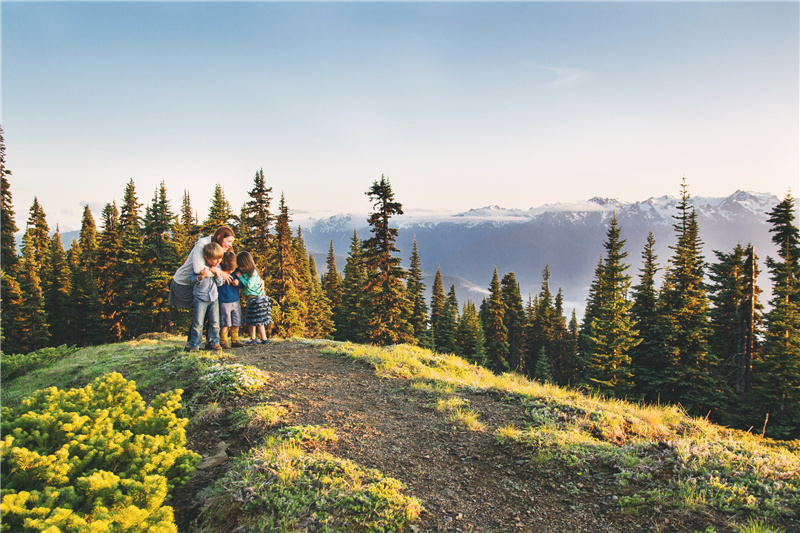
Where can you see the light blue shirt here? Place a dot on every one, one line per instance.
(206, 288)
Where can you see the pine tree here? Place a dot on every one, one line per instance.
(388, 307)
(13, 334)
(58, 294)
(127, 271)
(563, 351)
(186, 229)
(8, 256)
(351, 320)
(220, 212)
(88, 319)
(735, 316)
(257, 220)
(283, 279)
(688, 369)
(302, 274)
(495, 333)
(107, 250)
(159, 260)
(319, 323)
(35, 333)
(39, 237)
(539, 325)
(776, 383)
(442, 326)
(647, 356)
(469, 336)
(416, 295)
(611, 332)
(514, 320)
(332, 282)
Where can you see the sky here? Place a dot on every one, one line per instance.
(459, 104)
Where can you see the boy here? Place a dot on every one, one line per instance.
(206, 299)
(230, 311)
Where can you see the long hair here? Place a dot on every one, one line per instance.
(222, 233)
(246, 263)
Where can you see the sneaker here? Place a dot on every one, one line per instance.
(237, 344)
(252, 342)
(263, 341)
(216, 347)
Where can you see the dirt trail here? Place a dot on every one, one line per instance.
(465, 480)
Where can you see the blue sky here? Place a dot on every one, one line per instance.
(460, 105)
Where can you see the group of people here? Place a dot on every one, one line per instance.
(209, 283)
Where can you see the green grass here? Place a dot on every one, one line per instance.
(282, 486)
(259, 416)
(672, 458)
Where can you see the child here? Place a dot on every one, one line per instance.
(205, 299)
(259, 307)
(230, 312)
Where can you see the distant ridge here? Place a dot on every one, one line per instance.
(566, 236)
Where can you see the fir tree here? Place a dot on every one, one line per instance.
(8, 257)
(388, 307)
(107, 250)
(88, 319)
(127, 269)
(611, 332)
(319, 323)
(543, 371)
(332, 282)
(563, 351)
(688, 369)
(220, 212)
(351, 320)
(186, 229)
(776, 384)
(257, 220)
(159, 260)
(13, 334)
(58, 294)
(735, 316)
(39, 237)
(35, 333)
(438, 300)
(514, 320)
(539, 324)
(647, 356)
(416, 295)
(283, 279)
(469, 336)
(496, 333)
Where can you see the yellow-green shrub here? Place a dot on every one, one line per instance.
(92, 459)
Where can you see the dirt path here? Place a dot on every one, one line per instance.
(465, 480)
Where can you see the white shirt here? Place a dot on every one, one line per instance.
(194, 263)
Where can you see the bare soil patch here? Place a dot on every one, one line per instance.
(465, 480)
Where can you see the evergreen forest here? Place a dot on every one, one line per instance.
(702, 339)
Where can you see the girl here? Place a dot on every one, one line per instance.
(259, 307)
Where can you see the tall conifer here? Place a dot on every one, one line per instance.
(332, 282)
(647, 356)
(688, 373)
(351, 320)
(283, 278)
(39, 240)
(611, 332)
(35, 333)
(107, 250)
(469, 336)
(58, 294)
(496, 333)
(220, 212)
(8, 256)
(776, 384)
(514, 320)
(257, 220)
(416, 295)
(319, 322)
(88, 321)
(127, 272)
(388, 307)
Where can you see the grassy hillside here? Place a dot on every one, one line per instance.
(324, 436)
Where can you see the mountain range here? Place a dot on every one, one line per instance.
(568, 238)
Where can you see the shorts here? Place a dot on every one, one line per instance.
(230, 314)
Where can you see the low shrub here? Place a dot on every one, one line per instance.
(92, 459)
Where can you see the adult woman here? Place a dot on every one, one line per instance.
(180, 290)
